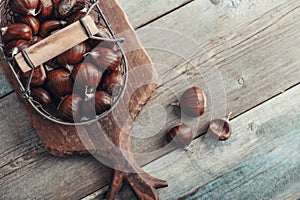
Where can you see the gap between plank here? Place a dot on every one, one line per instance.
(7, 94)
(103, 189)
(164, 14)
(138, 27)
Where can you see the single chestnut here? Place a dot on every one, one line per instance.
(30, 20)
(113, 83)
(76, 16)
(16, 46)
(73, 56)
(105, 58)
(51, 25)
(45, 8)
(86, 75)
(17, 31)
(95, 106)
(38, 78)
(105, 33)
(220, 128)
(192, 102)
(59, 83)
(24, 7)
(180, 136)
(69, 108)
(42, 96)
(68, 7)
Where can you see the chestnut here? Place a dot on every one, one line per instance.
(16, 46)
(73, 56)
(68, 7)
(113, 83)
(30, 20)
(59, 83)
(180, 136)
(69, 108)
(86, 75)
(76, 16)
(105, 33)
(45, 8)
(95, 106)
(192, 102)
(106, 58)
(16, 31)
(51, 25)
(220, 128)
(38, 78)
(42, 96)
(24, 7)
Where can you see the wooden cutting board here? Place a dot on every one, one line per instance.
(110, 136)
(64, 140)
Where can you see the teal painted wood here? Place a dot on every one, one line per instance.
(5, 87)
(260, 161)
(232, 153)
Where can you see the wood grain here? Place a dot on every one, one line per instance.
(231, 56)
(260, 161)
(138, 15)
(254, 45)
(141, 12)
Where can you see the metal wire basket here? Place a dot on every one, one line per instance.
(99, 18)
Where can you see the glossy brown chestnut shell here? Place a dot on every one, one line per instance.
(16, 31)
(59, 83)
(76, 16)
(102, 32)
(38, 78)
(106, 58)
(86, 75)
(42, 96)
(45, 8)
(24, 7)
(15, 46)
(192, 102)
(51, 25)
(73, 56)
(113, 82)
(101, 103)
(180, 136)
(68, 7)
(69, 108)
(220, 128)
(30, 20)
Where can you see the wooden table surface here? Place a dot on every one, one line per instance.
(246, 57)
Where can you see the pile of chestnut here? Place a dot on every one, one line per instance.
(78, 84)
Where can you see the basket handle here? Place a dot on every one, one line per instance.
(56, 44)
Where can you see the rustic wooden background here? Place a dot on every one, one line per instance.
(244, 54)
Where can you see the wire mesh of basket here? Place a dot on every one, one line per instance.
(94, 10)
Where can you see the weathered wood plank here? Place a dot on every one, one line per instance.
(143, 11)
(5, 86)
(235, 66)
(139, 12)
(26, 166)
(281, 44)
(260, 161)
